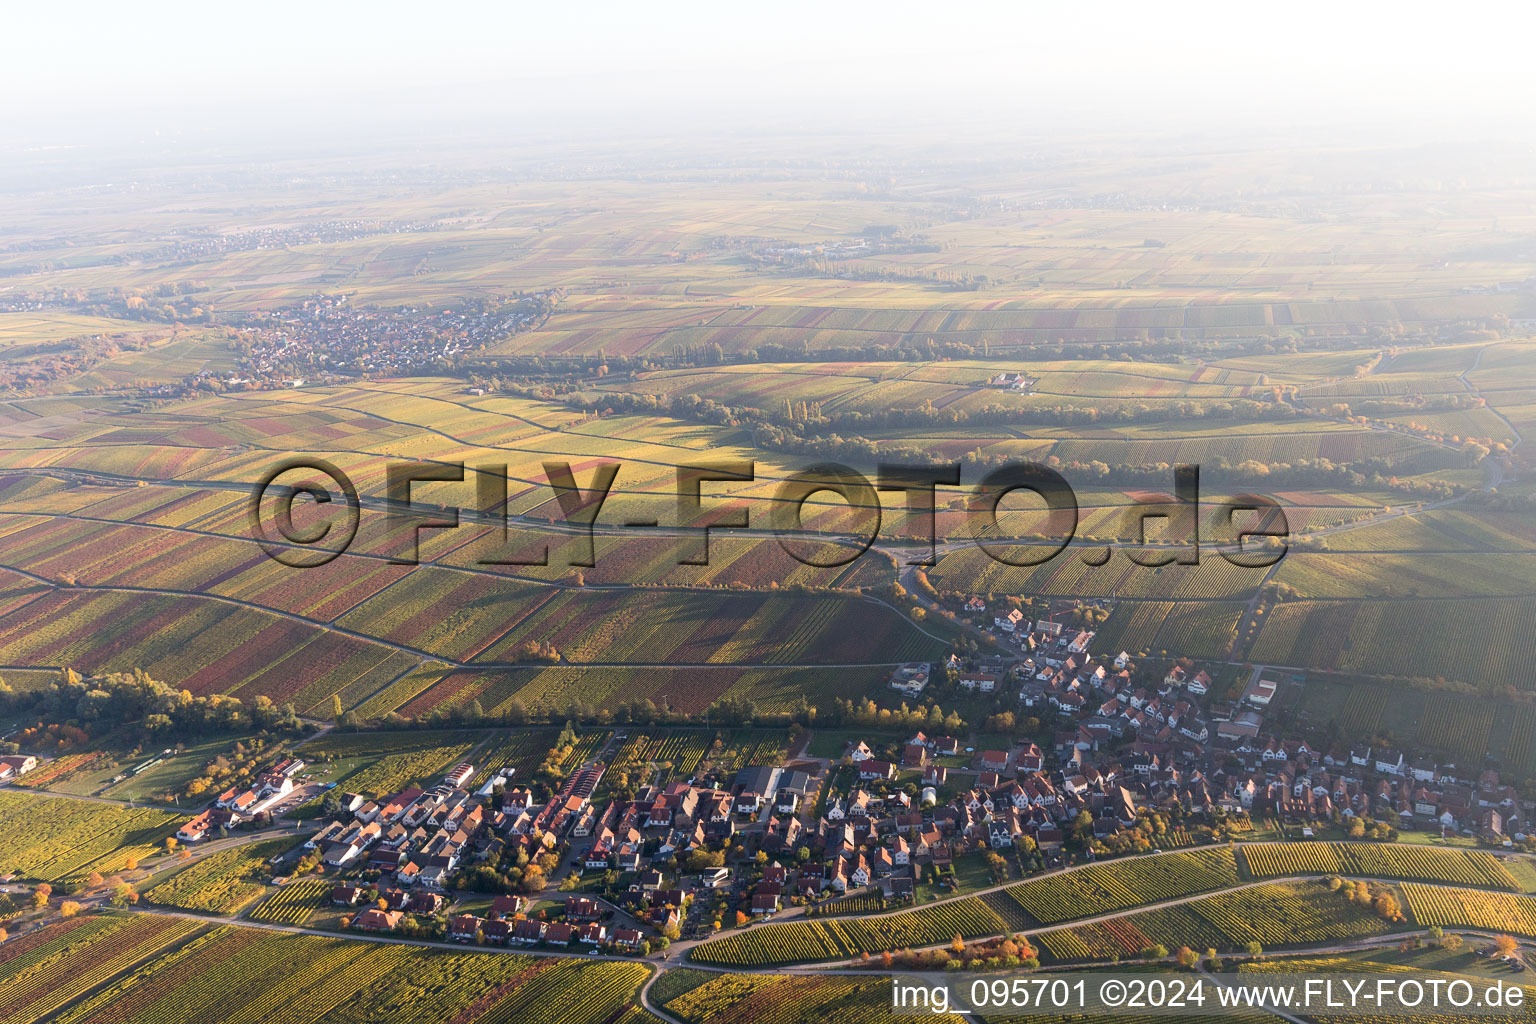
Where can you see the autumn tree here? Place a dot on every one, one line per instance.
(1186, 957)
(1506, 945)
(1387, 908)
(69, 908)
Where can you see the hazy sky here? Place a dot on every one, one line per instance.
(76, 69)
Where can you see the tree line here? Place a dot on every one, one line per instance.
(87, 706)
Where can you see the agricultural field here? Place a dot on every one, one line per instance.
(50, 968)
(1366, 637)
(1465, 728)
(141, 968)
(294, 902)
(870, 901)
(769, 945)
(748, 747)
(383, 763)
(1466, 908)
(1115, 885)
(1345, 328)
(1377, 860)
(356, 627)
(673, 752)
(516, 755)
(222, 883)
(551, 690)
(55, 839)
(1283, 914)
(1428, 965)
(709, 997)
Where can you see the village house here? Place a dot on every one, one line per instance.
(16, 765)
(376, 920)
